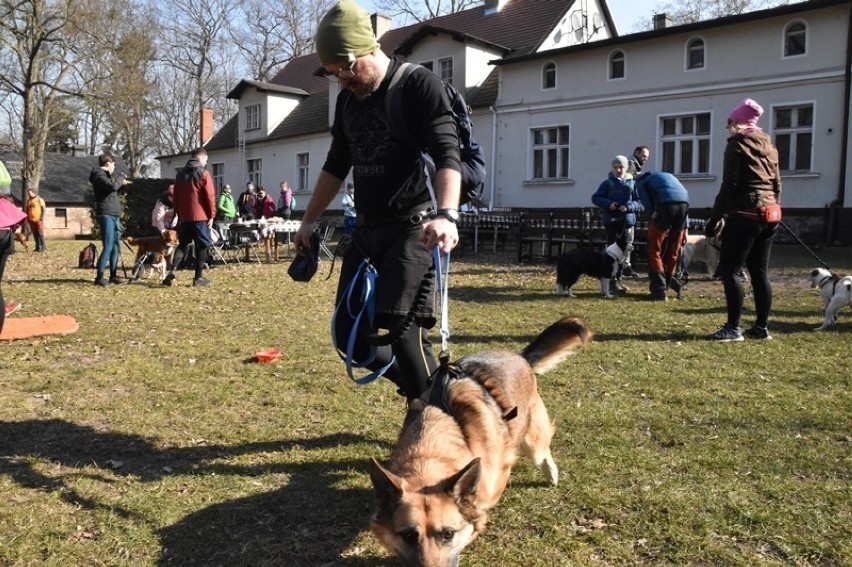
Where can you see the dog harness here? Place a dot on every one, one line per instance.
(831, 278)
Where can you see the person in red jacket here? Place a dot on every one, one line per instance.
(264, 205)
(195, 206)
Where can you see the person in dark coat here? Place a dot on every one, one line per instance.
(107, 214)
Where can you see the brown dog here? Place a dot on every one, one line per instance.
(458, 445)
(162, 248)
(21, 238)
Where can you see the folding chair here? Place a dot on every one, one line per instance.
(245, 238)
(219, 242)
(325, 233)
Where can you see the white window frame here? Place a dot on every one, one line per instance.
(610, 75)
(795, 132)
(217, 171)
(303, 169)
(254, 171)
(677, 143)
(445, 69)
(549, 158)
(252, 112)
(548, 76)
(689, 49)
(785, 36)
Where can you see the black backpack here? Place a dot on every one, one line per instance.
(88, 257)
(471, 153)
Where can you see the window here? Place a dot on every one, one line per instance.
(695, 54)
(428, 65)
(795, 39)
(685, 143)
(794, 135)
(252, 117)
(61, 215)
(616, 65)
(550, 150)
(445, 69)
(254, 171)
(218, 175)
(303, 163)
(548, 76)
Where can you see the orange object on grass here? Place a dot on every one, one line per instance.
(268, 355)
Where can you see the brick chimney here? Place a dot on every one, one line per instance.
(206, 125)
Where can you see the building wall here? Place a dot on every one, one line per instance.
(78, 221)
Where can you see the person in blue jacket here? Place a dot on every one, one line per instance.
(619, 203)
(666, 200)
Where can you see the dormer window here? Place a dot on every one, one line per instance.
(695, 54)
(548, 75)
(795, 39)
(252, 113)
(616, 65)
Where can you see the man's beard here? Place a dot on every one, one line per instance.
(367, 88)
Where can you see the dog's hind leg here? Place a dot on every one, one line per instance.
(836, 304)
(536, 444)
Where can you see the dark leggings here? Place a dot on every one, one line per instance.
(6, 248)
(413, 351)
(746, 243)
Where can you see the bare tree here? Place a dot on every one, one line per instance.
(270, 33)
(410, 11)
(36, 64)
(688, 11)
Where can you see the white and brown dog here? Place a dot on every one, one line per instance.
(836, 293)
(458, 444)
(601, 265)
(161, 249)
(699, 248)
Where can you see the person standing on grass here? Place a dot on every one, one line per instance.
(108, 213)
(285, 200)
(36, 208)
(666, 201)
(397, 228)
(749, 202)
(635, 163)
(226, 210)
(195, 206)
(10, 217)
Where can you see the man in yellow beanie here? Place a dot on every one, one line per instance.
(397, 227)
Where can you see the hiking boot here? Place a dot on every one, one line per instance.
(101, 281)
(115, 280)
(758, 333)
(201, 282)
(658, 296)
(628, 272)
(727, 334)
(168, 279)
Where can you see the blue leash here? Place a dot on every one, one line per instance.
(365, 306)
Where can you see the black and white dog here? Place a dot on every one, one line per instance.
(836, 293)
(602, 265)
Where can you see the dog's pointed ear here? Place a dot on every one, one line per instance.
(387, 485)
(463, 484)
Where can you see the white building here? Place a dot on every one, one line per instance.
(557, 93)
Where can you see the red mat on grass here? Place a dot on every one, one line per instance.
(27, 327)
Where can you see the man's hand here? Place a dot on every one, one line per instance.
(439, 231)
(302, 240)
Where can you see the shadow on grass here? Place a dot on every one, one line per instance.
(310, 521)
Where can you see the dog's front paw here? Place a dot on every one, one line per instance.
(549, 469)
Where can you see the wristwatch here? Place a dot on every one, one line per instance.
(451, 215)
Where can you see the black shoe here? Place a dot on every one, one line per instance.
(201, 282)
(168, 279)
(101, 281)
(115, 280)
(629, 273)
(658, 296)
(727, 334)
(758, 333)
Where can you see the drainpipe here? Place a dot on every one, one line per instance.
(837, 204)
(493, 152)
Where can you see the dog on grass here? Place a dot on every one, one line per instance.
(602, 265)
(160, 248)
(458, 444)
(836, 293)
(21, 239)
(699, 248)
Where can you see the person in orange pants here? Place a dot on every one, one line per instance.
(666, 200)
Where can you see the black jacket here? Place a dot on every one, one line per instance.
(106, 192)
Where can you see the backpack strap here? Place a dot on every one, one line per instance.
(393, 103)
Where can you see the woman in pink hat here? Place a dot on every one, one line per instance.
(749, 203)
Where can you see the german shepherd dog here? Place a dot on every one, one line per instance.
(456, 449)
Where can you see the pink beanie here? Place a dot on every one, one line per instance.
(747, 112)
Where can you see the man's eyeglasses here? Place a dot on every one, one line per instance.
(345, 73)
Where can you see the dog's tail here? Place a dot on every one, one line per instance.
(555, 343)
